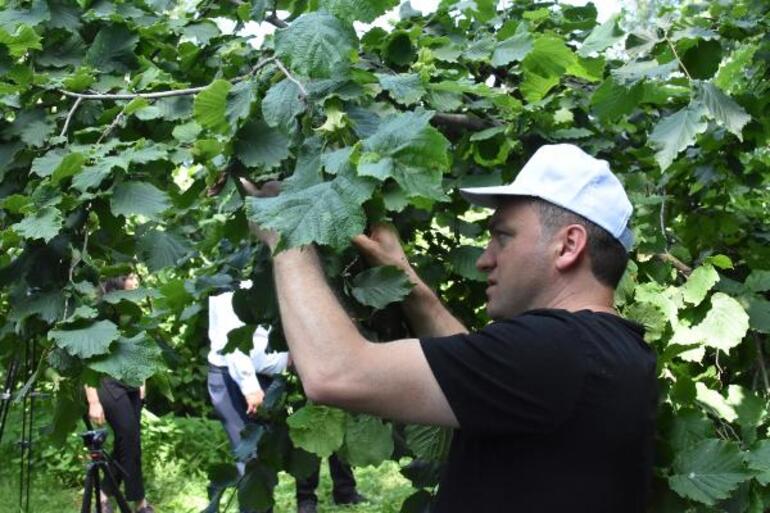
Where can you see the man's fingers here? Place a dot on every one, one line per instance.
(268, 189)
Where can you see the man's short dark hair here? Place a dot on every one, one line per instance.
(608, 256)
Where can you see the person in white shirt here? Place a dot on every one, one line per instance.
(232, 381)
(236, 393)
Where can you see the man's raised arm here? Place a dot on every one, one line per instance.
(338, 366)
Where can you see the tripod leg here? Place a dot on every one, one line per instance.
(98, 492)
(122, 503)
(87, 489)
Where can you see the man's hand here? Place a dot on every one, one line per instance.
(268, 190)
(383, 247)
(96, 413)
(253, 401)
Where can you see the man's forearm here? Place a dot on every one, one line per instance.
(322, 339)
(427, 315)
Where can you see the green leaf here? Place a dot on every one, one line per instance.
(49, 306)
(612, 100)
(379, 286)
(699, 283)
(357, 10)
(138, 198)
(86, 342)
(317, 429)
(429, 442)
(638, 70)
(335, 161)
(724, 109)
(759, 314)
(725, 324)
(368, 440)
(408, 149)
(316, 44)
(239, 100)
(282, 104)
(161, 249)
(259, 145)
(602, 37)
(211, 106)
(758, 460)
(11, 18)
(21, 40)
(112, 50)
(327, 213)
(463, 259)
(544, 65)
(714, 401)
(514, 48)
(758, 281)
(42, 224)
(676, 132)
(131, 361)
(405, 89)
(708, 472)
(33, 126)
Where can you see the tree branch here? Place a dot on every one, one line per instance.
(161, 94)
(466, 121)
(678, 264)
(69, 116)
(273, 19)
(761, 361)
(291, 78)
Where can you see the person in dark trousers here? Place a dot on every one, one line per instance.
(236, 384)
(120, 405)
(343, 487)
(553, 403)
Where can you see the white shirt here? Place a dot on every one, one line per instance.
(242, 368)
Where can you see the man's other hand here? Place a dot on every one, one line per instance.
(253, 401)
(383, 247)
(268, 190)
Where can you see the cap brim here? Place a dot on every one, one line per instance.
(490, 197)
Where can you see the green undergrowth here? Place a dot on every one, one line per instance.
(177, 452)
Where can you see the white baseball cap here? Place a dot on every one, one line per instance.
(568, 177)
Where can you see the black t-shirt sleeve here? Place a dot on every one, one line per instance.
(519, 376)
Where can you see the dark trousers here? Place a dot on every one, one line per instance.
(122, 409)
(343, 482)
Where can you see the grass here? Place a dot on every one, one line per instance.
(175, 489)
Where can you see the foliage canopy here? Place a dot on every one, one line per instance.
(124, 125)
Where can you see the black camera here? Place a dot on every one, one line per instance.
(94, 439)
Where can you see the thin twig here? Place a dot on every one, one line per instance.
(114, 123)
(69, 116)
(674, 261)
(676, 55)
(663, 220)
(161, 94)
(761, 360)
(291, 78)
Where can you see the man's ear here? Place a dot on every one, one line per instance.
(572, 245)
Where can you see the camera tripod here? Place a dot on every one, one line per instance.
(19, 387)
(92, 489)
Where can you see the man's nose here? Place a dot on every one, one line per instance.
(486, 261)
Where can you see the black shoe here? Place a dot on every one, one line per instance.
(349, 499)
(306, 507)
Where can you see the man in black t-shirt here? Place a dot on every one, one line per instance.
(553, 403)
